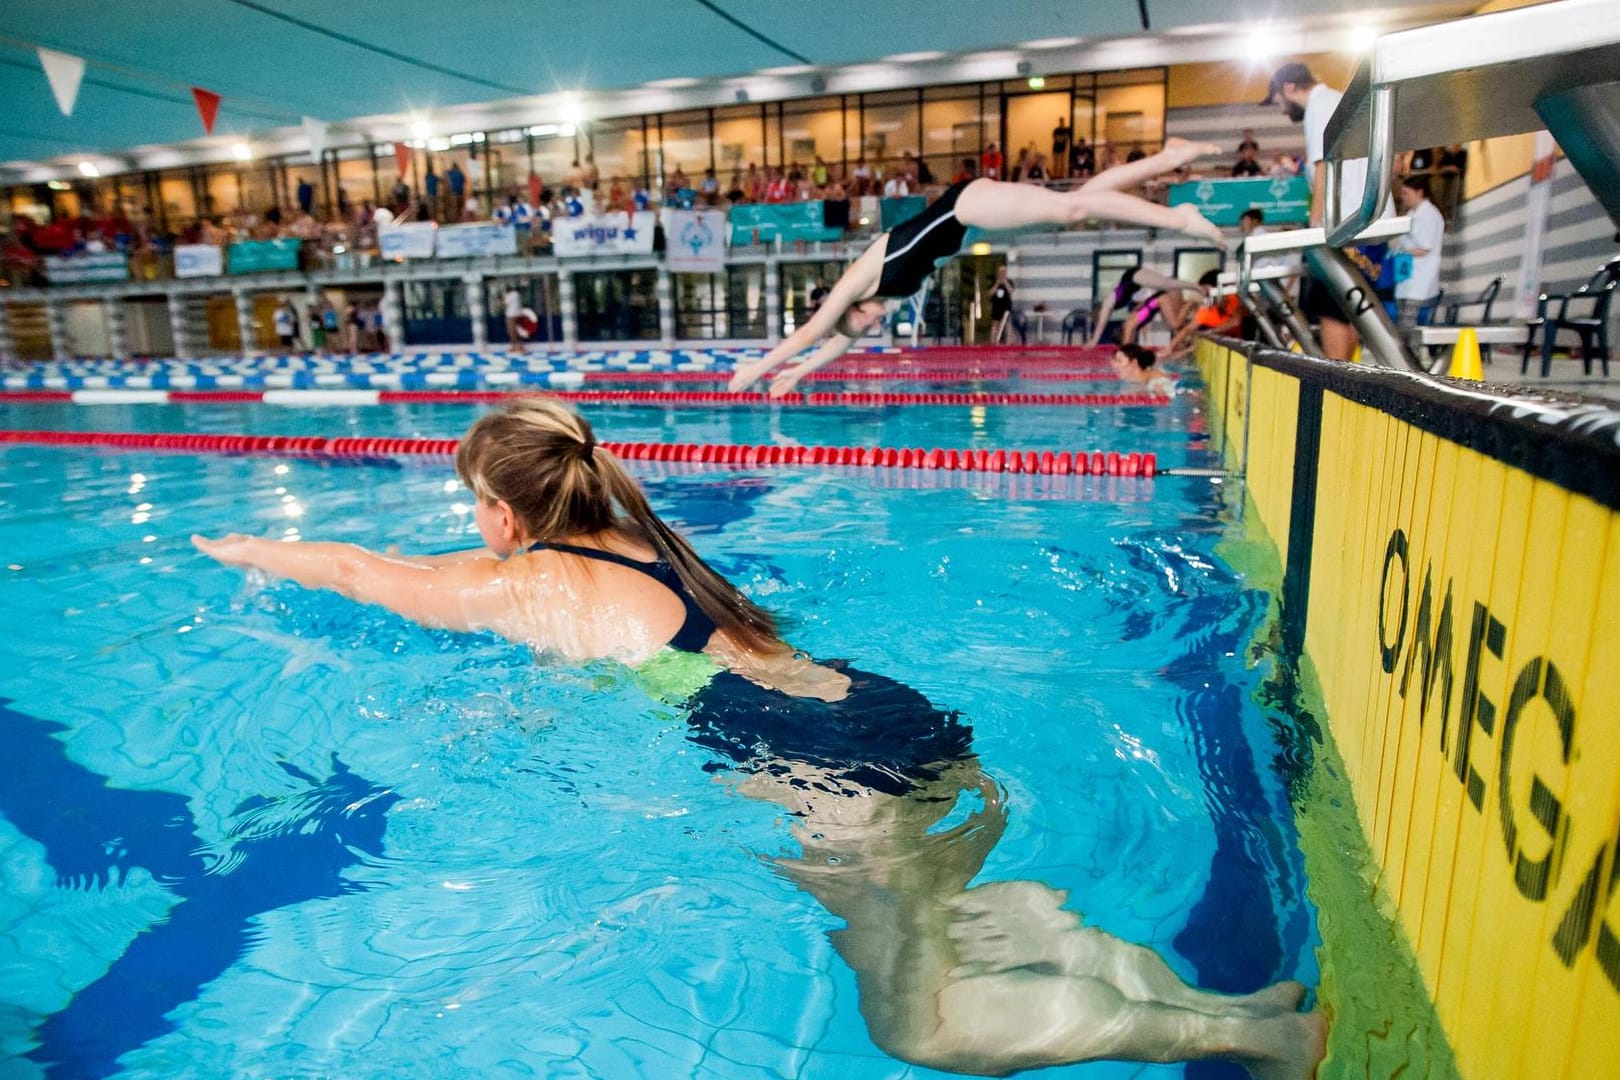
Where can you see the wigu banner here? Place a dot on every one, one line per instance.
(604, 234)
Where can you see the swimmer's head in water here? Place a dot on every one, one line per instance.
(540, 459)
(861, 317)
(1129, 358)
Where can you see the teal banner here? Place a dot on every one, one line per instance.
(1285, 200)
(764, 223)
(892, 212)
(255, 256)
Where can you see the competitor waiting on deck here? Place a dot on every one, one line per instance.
(899, 261)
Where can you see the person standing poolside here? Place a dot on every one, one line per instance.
(1424, 243)
(1001, 297)
(512, 308)
(986, 980)
(899, 261)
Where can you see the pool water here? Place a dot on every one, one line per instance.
(261, 831)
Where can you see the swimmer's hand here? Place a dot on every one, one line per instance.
(786, 383)
(745, 375)
(234, 549)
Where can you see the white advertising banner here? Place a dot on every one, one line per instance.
(697, 241)
(604, 234)
(199, 260)
(475, 239)
(413, 240)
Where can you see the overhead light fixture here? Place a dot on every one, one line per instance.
(420, 129)
(1362, 39)
(791, 69)
(1053, 43)
(980, 248)
(88, 168)
(914, 57)
(63, 185)
(573, 113)
(241, 151)
(673, 84)
(1037, 82)
(1260, 43)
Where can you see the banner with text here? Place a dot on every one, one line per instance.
(86, 266)
(697, 241)
(198, 260)
(1285, 200)
(476, 239)
(413, 240)
(256, 256)
(788, 222)
(604, 234)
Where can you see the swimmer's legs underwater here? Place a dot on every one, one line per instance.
(999, 978)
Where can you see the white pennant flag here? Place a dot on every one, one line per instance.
(315, 132)
(64, 72)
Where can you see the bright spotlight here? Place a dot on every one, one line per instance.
(242, 151)
(1261, 43)
(573, 113)
(419, 129)
(88, 168)
(1362, 38)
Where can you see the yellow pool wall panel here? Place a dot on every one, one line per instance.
(1463, 584)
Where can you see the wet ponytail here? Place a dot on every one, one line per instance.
(541, 458)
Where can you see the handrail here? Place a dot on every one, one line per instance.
(1375, 194)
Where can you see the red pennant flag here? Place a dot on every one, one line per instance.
(535, 188)
(402, 158)
(207, 106)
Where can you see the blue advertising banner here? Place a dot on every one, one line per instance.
(697, 241)
(86, 266)
(256, 256)
(789, 222)
(476, 239)
(1285, 200)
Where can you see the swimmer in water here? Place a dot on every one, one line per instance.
(1138, 364)
(989, 979)
(898, 262)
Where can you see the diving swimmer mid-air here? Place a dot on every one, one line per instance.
(899, 261)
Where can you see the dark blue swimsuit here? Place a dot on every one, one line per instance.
(884, 735)
(694, 633)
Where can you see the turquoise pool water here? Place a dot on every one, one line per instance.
(266, 832)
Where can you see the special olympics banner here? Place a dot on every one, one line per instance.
(1283, 199)
(697, 241)
(198, 260)
(86, 266)
(256, 256)
(413, 240)
(763, 224)
(475, 239)
(604, 234)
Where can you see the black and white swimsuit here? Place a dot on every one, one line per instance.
(917, 245)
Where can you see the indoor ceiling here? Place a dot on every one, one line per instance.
(275, 61)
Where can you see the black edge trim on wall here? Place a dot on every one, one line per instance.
(1567, 439)
(1296, 586)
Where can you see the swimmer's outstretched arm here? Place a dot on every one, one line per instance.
(831, 349)
(448, 558)
(466, 595)
(857, 284)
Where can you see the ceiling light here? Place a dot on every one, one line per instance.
(1260, 43)
(1362, 39)
(1053, 43)
(673, 84)
(914, 57)
(241, 151)
(791, 69)
(63, 185)
(1037, 82)
(419, 129)
(573, 113)
(88, 168)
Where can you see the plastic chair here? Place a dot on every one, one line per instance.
(1585, 311)
(1075, 322)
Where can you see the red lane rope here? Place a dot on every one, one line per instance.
(844, 399)
(971, 374)
(1045, 462)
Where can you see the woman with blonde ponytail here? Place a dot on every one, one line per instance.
(988, 979)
